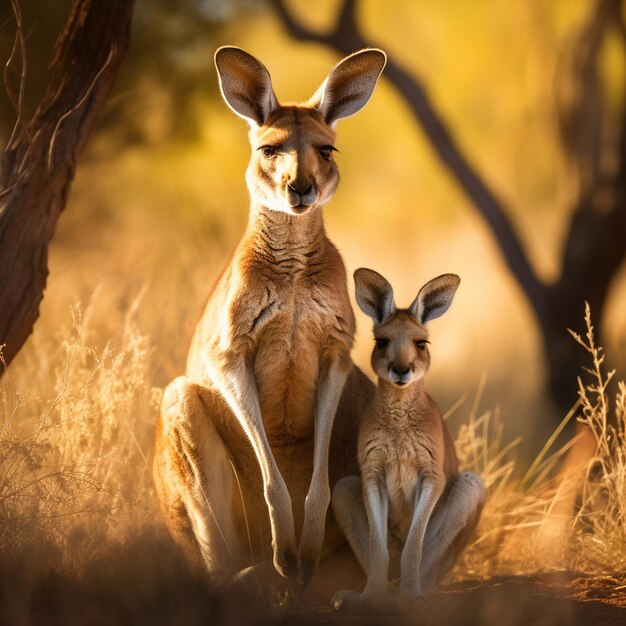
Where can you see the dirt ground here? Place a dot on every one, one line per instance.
(558, 599)
(146, 582)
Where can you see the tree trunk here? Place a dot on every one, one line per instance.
(565, 359)
(39, 161)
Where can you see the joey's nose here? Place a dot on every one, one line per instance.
(300, 188)
(400, 371)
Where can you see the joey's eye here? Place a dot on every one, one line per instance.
(268, 151)
(381, 343)
(421, 344)
(326, 152)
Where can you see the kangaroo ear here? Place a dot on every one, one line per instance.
(245, 84)
(434, 298)
(349, 85)
(374, 295)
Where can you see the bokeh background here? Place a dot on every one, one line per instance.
(159, 200)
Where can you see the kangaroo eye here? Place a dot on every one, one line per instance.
(381, 343)
(326, 152)
(421, 344)
(268, 151)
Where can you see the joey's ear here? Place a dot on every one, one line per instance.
(245, 84)
(434, 298)
(349, 85)
(374, 295)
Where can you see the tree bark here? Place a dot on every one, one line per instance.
(39, 161)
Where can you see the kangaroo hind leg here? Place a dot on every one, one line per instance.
(451, 528)
(194, 479)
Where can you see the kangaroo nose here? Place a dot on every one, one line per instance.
(300, 188)
(400, 371)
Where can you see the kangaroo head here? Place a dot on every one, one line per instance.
(400, 353)
(292, 167)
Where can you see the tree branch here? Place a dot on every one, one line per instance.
(17, 101)
(294, 28)
(345, 37)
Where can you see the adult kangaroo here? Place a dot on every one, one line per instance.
(244, 457)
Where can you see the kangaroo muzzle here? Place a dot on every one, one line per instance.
(300, 196)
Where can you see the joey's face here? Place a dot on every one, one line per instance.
(292, 168)
(400, 353)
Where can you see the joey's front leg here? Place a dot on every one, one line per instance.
(235, 381)
(425, 500)
(332, 378)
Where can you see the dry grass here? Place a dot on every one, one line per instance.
(77, 505)
(75, 445)
(557, 514)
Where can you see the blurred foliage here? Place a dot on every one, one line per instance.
(167, 71)
(169, 68)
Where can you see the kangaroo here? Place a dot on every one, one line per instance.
(410, 485)
(243, 441)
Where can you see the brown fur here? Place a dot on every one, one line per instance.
(403, 438)
(243, 462)
(410, 509)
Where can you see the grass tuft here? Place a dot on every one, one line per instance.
(567, 511)
(65, 456)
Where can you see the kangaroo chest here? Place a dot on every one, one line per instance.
(302, 325)
(401, 458)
